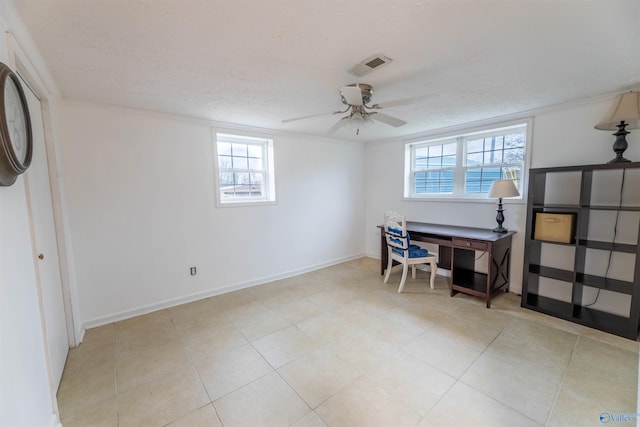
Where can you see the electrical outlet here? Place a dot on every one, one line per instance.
(192, 271)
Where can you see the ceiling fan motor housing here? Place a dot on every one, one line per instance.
(367, 91)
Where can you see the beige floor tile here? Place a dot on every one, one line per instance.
(474, 325)
(236, 303)
(538, 347)
(576, 406)
(601, 379)
(366, 264)
(136, 368)
(382, 322)
(308, 285)
(363, 403)
(426, 423)
(614, 340)
(464, 406)
(217, 338)
(279, 297)
(595, 356)
(296, 310)
(443, 352)
(394, 329)
(203, 417)
(87, 386)
(309, 420)
(199, 323)
(100, 414)
(190, 311)
(418, 314)
(151, 319)
(317, 376)
(162, 401)
(260, 324)
(413, 382)
(101, 333)
(439, 299)
(386, 299)
(362, 350)
(222, 373)
(326, 327)
(332, 299)
(239, 311)
(528, 390)
(268, 401)
(146, 337)
(284, 346)
(91, 354)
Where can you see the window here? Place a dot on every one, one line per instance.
(245, 169)
(465, 165)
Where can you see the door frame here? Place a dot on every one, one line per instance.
(19, 61)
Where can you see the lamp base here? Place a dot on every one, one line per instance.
(619, 160)
(500, 218)
(620, 143)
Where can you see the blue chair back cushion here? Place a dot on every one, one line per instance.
(398, 232)
(415, 251)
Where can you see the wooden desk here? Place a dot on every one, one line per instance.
(456, 252)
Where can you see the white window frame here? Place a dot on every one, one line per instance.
(460, 136)
(266, 143)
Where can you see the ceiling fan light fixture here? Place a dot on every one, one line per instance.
(359, 119)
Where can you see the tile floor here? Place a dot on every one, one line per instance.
(337, 347)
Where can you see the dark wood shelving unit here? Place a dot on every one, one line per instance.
(565, 287)
(470, 282)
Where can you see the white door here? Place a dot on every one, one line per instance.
(45, 244)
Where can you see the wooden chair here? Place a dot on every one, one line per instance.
(401, 250)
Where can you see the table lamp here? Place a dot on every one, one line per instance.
(625, 112)
(500, 189)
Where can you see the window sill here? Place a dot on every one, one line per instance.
(454, 199)
(236, 204)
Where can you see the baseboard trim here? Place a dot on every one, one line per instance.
(127, 314)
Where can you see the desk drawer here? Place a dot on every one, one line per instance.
(471, 244)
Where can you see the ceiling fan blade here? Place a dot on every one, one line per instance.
(340, 123)
(315, 115)
(387, 119)
(406, 101)
(352, 95)
(306, 117)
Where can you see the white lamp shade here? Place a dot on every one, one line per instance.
(502, 188)
(626, 107)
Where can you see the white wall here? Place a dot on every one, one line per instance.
(25, 393)
(561, 136)
(141, 202)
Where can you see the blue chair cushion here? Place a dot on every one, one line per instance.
(414, 252)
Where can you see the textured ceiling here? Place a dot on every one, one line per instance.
(258, 62)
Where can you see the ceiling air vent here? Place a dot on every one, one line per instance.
(368, 65)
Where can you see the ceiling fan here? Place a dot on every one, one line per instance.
(357, 98)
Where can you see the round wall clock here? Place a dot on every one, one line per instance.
(16, 143)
